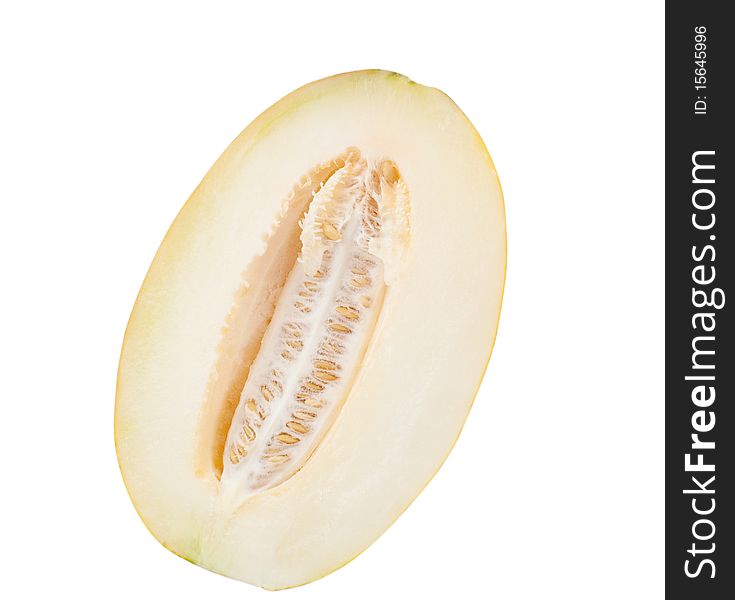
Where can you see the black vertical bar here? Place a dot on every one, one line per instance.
(700, 299)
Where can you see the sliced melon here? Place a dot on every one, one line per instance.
(313, 330)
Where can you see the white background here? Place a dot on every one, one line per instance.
(110, 115)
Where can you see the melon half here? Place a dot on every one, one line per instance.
(309, 339)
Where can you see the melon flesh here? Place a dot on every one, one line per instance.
(312, 332)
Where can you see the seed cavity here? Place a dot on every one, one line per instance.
(325, 314)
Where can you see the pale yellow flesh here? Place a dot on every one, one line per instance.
(419, 374)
